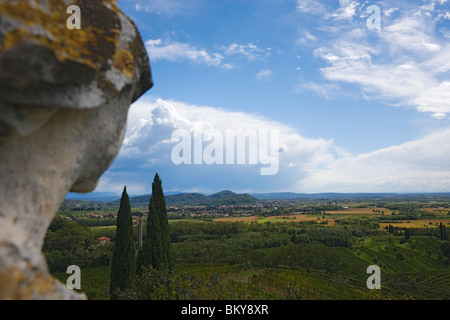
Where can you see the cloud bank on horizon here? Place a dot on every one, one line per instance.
(312, 73)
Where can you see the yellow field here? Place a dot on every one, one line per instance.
(290, 218)
(437, 210)
(102, 227)
(295, 217)
(421, 223)
(243, 219)
(364, 211)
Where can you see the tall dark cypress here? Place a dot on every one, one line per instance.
(161, 208)
(156, 249)
(123, 263)
(442, 232)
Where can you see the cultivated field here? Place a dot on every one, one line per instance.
(420, 223)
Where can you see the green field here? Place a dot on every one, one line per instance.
(283, 259)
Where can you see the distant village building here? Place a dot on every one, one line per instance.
(103, 240)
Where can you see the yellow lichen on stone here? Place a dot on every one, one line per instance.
(13, 37)
(124, 62)
(76, 45)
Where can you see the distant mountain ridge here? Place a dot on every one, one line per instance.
(225, 197)
(93, 196)
(336, 196)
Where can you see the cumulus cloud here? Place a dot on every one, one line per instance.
(435, 100)
(149, 144)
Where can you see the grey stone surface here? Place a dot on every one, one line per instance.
(64, 100)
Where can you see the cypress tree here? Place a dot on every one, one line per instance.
(442, 232)
(156, 249)
(407, 234)
(123, 261)
(160, 204)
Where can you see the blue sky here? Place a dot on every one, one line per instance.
(357, 109)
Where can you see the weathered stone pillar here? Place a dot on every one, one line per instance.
(64, 100)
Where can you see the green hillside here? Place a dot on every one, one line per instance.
(221, 198)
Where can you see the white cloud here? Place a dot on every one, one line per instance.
(428, 7)
(411, 34)
(435, 100)
(389, 11)
(346, 11)
(444, 15)
(404, 64)
(114, 181)
(415, 166)
(445, 32)
(306, 38)
(264, 74)
(152, 43)
(177, 51)
(310, 6)
(161, 117)
(326, 90)
(250, 51)
(386, 81)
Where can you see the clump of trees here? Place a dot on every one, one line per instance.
(155, 254)
(67, 243)
(156, 249)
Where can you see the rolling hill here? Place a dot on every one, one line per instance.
(195, 199)
(221, 198)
